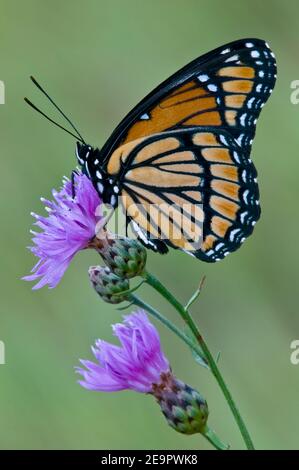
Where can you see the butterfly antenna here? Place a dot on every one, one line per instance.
(57, 107)
(51, 120)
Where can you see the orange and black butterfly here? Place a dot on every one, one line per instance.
(187, 145)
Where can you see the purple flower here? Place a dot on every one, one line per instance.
(70, 225)
(136, 365)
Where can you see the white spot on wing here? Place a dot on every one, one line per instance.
(142, 235)
(236, 157)
(240, 138)
(225, 51)
(212, 87)
(219, 246)
(233, 234)
(242, 119)
(223, 140)
(245, 196)
(100, 187)
(250, 102)
(203, 78)
(242, 216)
(233, 58)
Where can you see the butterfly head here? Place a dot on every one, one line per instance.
(83, 151)
(90, 160)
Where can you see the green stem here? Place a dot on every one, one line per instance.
(159, 287)
(214, 439)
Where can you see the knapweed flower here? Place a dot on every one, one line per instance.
(68, 228)
(139, 364)
(136, 364)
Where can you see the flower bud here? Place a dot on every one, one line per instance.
(184, 408)
(125, 257)
(109, 286)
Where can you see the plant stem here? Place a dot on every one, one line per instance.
(159, 287)
(214, 439)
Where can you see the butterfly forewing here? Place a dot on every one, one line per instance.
(225, 88)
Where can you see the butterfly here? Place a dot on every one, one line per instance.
(179, 163)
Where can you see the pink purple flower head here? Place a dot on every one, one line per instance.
(69, 226)
(136, 364)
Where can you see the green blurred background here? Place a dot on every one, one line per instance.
(98, 58)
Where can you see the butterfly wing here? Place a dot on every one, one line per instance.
(188, 143)
(191, 189)
(224, 88)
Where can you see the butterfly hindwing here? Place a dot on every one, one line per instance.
(191, 189)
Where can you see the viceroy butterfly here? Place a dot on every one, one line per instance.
(189, 142)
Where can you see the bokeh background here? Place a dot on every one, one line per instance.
(98, 58)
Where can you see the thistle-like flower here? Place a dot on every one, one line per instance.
(69, 227)
(75, 222)
(139, 364)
